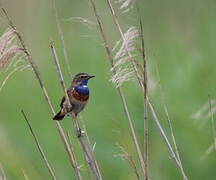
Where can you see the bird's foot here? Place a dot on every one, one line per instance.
(80, 132)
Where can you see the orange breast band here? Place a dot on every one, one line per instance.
(79, 97)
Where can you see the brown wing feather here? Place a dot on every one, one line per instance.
(62, 102)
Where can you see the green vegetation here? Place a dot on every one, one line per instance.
(179, 42)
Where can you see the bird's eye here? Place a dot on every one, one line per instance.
(82, 77)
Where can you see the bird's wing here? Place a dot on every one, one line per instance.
(63, 99)
(62, 102)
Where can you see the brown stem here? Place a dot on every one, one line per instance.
(52, 174)
(120, 92)
(45, 93)
(87, 151)
(145, 84)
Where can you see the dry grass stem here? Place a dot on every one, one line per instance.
(134, 65)
(2, 173)
(42, 86)
(61, 35)
(145, 84)
(75, 162)
(202, 116)
(88, 140)
(120, 92)
(50, 169)
(170, 124)
(174, 141)
(87, 151)
(172, 152)
(25, 175)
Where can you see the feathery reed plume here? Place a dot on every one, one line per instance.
(213, 125)
(47, 164)
(126, 156)
(203, 114)
(145, 84)
(87, 151)
(126, 45)
(213, 146)
(126, 5)
(121, 61)
(120, 92)
(122, 75)
(61, 35)
(210, 149)
(10, 55)
(139, 79)
(45, 93)
(2, 173)
(8, 48)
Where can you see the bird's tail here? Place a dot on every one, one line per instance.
(59, 116)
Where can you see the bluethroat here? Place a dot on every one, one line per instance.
(78, 94)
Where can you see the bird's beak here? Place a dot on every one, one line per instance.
(90, 77)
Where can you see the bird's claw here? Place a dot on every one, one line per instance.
(80, 132)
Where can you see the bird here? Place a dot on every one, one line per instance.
(78, 94)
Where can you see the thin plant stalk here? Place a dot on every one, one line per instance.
(170, 124)
(45, 94)
(208, 151)
(145, 84)
(61, 35)
(87, 151)
(174, 142)
(25, 175)
(132, 59)
(88, 141)
(2, 173)
(69, 140)
(50, 169)
(119, 89)
(172, 152)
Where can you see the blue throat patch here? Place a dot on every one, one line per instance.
(82, 88)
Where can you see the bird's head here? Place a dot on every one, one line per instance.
(81, 79)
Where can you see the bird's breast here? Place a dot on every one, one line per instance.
(78, 96)
(82, 90)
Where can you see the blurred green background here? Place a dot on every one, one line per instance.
(180, 38)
